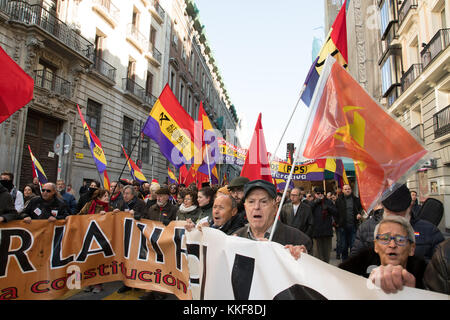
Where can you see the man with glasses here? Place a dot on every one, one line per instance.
(398, 203)
(391, 262)
(297, 214)
(48, 206)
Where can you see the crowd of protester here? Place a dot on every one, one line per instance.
(390, 245)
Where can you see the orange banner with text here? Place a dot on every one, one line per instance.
(43, 260)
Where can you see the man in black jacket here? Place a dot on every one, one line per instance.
(297, 214)
(7, 210)
(323, 213)
(349, 215)
(47, 206)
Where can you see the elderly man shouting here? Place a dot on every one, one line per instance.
(261, 209)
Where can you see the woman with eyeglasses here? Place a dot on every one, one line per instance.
(393, 253)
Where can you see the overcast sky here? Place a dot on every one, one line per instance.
(264, 50)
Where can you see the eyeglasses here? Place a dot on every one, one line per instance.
(386, 239)
(47, 190)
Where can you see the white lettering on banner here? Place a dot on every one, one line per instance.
(246, 260)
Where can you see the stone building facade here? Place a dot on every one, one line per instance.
(112, 58)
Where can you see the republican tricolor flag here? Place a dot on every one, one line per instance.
(96, 150)
(346, 122)
(38, 171)
(172, 128)
(135, 172)
(171, 176)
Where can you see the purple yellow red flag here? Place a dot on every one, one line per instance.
(38, 171)
(96, 150)
(171, 176)
(135, 172)
(336, 46)
(172, 128)
(346, 122)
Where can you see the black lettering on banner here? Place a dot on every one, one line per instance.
(127, 225)
(242, 276)
(202, 290)
(94, 233)
(178, 240)
(24, 262)
(156, 234)
(56, 260)
(193, 249)
(143, 249)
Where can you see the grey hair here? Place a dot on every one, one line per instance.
(133, 191)
(401, 221)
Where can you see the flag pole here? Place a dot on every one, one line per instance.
(126, 161)
(209, 169)
(289, 122)
(300, 143)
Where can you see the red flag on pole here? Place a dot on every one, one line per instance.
(256, 164)
(16, 87)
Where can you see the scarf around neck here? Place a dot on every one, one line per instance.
(96, 203)
(187, 210)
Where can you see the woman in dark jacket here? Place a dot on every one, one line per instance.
(98, 204)
(189, 208)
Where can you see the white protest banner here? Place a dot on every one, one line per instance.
(228, 267)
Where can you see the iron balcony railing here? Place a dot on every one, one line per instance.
(36, 15)
(411, 75)
(48, 80)
(138, 91)
(418, 130)
(155, 52)
(158, 9)
(105, 68)
(441, 122)
(407, 5)
(438, 43)
(109, 7)
(133, 32)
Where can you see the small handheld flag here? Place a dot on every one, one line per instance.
(38, 171)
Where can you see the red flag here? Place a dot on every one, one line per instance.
(16, 87)
(256, 164)
(347, 122)
(183, 174)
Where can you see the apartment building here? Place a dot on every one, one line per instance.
(109, 57)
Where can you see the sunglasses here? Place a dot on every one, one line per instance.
(47, 190)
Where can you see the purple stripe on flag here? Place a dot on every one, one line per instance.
(152, 130)
(311, 81)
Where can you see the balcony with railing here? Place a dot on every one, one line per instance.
(46, 79)
(154, 55)
(107, 10)
(411, 75)
(105, 69)
(441, 123)
(137, 92)
(136, 38)
(418, 130)
(438, 44)
(57, 31)
(157, 11)
(405, 8)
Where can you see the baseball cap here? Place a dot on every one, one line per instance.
(263, 184)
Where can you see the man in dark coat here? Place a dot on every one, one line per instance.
(7, 210)
(398, 202)
(132, 202)
(69, 199)
(116, 201)
(47, 206)
(297, 214)
(236, 188)
(163, 210)
(261, 209)
(349, 211)
(323, 213)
